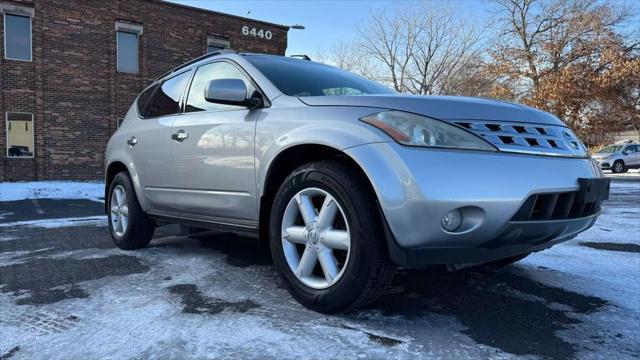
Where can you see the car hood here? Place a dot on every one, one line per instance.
(443, 107)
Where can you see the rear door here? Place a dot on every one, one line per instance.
(149, 140)
(213, 152)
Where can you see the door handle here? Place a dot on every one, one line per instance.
(181, 135)
(132, 141)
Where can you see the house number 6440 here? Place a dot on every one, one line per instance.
(261, 33)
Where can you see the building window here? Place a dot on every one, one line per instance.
(19, 134)
(17, 37)
(217, 44)
(127, 46)
(127, 52)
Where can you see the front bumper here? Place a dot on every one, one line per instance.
(416, 187)
(605, 164)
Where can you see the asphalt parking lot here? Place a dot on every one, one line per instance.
(67, 293)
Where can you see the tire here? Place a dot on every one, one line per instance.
(136, 232)
(507, 261)
(364, 268)
(618, 167)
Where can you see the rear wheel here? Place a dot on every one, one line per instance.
(129, 226)
(618, 167)
(326, 238)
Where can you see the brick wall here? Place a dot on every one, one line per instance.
(72, 86)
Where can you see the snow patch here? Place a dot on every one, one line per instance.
(56, 223)
(92, 190)
(631, 173)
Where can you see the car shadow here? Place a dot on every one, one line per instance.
(501, 308)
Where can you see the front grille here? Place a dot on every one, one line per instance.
(555, 206)
(527, 138)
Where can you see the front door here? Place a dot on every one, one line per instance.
(213, 153)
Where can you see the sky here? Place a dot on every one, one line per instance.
(326, 22)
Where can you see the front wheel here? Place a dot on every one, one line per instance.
(326, 238)
(618, 167)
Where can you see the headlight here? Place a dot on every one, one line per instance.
(416, 130)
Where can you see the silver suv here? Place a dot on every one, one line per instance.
(343, 177)
(619, 158)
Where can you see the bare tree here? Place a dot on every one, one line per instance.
(542, 37)
(419, 49)
(569, 57)
(347, 56)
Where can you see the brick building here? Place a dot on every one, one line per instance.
(71, 68)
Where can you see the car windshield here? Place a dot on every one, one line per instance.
(295, 77)
(610, 149)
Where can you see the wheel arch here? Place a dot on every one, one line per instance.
(115, 167)
(290, 159)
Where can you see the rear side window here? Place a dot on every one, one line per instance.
(143, 99)
(166, 100)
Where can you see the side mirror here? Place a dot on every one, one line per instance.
(230, 92)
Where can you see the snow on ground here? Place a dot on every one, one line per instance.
(55, 223)
(630, 174)
(10, 191)
(214, 297)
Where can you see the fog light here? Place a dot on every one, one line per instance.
(451, 221)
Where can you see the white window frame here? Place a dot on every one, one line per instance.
(130, 28)
(16, 10)
(33, 134)
(218, 42)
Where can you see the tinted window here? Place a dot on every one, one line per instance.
(166, 100)
(306, 78)
(127, 52)
(206, 73)
(143, 99)
(17, 37)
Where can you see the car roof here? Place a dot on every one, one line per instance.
(196, 61)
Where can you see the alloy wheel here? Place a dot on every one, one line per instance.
(315, 238)
(119, 210)
(618, 167)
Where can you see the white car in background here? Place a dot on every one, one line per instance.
(619, 158)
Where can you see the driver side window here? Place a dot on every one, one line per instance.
(214, 71)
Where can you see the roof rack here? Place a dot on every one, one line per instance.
(191, 62)
(303, 57)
